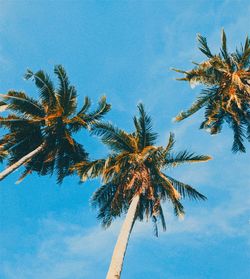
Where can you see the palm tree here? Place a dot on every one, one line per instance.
(134, 181)
(40, 132)
(226, 97)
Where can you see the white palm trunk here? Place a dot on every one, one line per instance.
(19, 163)
(115, 267)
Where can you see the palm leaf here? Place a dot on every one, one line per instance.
(45, 85)
(203, 46)
(198, 104)
(21, 103)
(185, 157)
(66, 93)
(97, 114)
(114, 137)
(186, 190)
(144, 128)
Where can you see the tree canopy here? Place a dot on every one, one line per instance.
(136, 166)
(226, 96)
(52, 120)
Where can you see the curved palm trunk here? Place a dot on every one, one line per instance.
(19, 163)
(115, 267)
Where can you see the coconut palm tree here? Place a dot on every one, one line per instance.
(226, 97)
(41, 132)
(134, 181)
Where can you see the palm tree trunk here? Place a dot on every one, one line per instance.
(19, 163)
(115, 267)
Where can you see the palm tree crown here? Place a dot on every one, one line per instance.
(227, 93)
(51, 121)
(135, 167)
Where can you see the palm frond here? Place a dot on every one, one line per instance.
(97, 114)
(103, 198)
(143, 126)
(21, 103)
(154, 220)
(197, 105)
(185, 157)
(112, 136)
(66, 93)
(186, 190)
(178, 208)
(12, 121)
(86, 106)
(163, 222)
(171, 142)
(224, 47)
(203, 47)
(238, 137)
(90, 169)
(45, 85)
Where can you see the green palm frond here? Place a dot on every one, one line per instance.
(45, 85)
(114, 137)
(19, 102)
(90, 169)
(162, 218)
(239, 134)
(104, 198)
(66, 93)
(170, 145)
(12, 121)
(178, 208)
(86, 106)
(186, 190)
(85, 119)
(246, 53)
(143, 127)
(185, 157)
(197, 105)
(100, 111)
(224, 52)
(203, 46)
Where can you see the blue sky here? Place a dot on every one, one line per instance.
(125, 49)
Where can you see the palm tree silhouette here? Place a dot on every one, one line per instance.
(134, 181)
(40, 132)
(226, 97)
